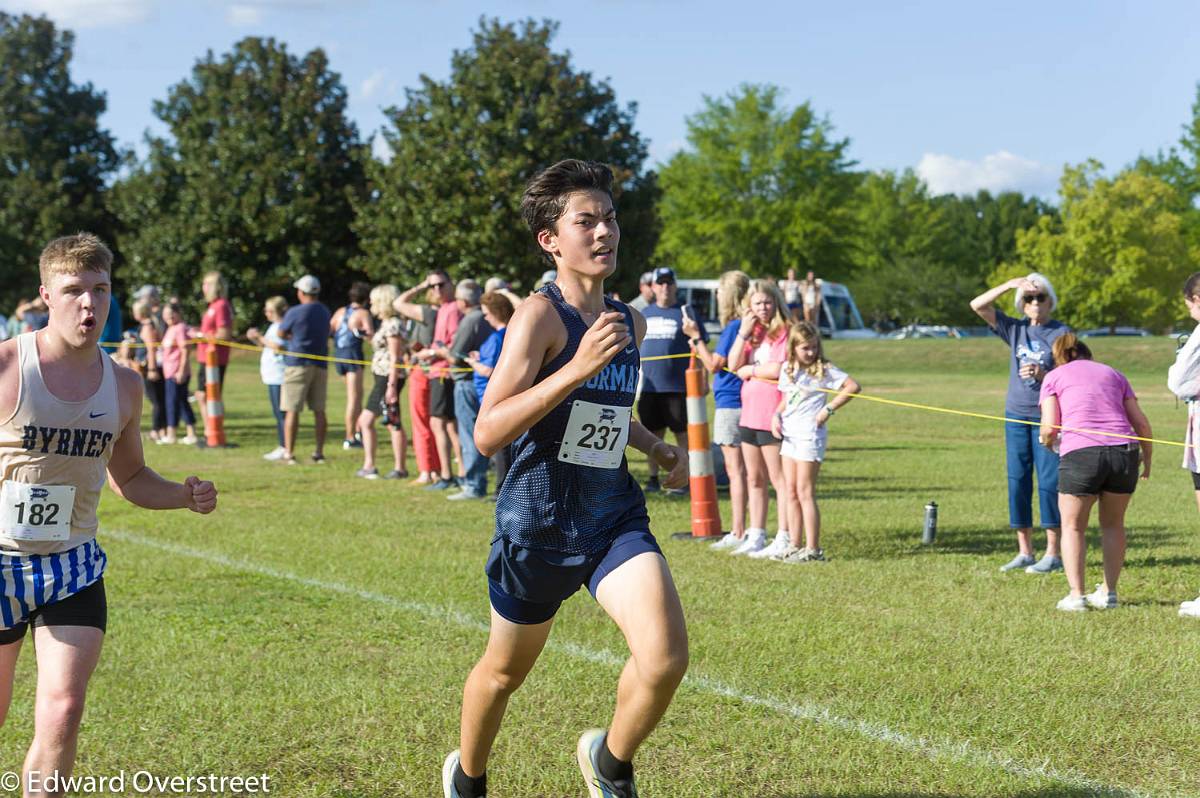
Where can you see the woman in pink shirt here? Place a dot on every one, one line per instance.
(1100, 464)
(177, 373)
(756, 356)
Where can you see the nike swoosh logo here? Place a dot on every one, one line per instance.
(630, 351)
(96, 415)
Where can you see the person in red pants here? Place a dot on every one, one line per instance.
(424, 316)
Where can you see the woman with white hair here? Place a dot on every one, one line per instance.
(1030, 340)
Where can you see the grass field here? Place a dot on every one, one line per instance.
(318, 628)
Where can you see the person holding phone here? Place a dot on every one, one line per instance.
(663, 403)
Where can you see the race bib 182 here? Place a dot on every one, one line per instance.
(36, 512)
(596, 435)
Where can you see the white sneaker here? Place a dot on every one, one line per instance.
(777, 545)
(727, 541)
(755, 540)
(787, 551)
(1102, 599)
(1071, 603)
(275, 454)
(1190, 609)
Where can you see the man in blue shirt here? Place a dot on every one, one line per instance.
(305, 327)
(663, 403)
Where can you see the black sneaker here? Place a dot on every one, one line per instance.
(318, 459)
(652, 486)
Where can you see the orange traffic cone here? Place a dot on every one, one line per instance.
(214, 418)
(706, 514)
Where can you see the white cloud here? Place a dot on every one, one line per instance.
(1000, 171)
(243, 15)
(80, 14)
(371, 86)
(380, 148)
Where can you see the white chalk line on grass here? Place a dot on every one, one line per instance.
(933, 749)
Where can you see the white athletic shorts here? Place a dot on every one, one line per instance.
(810, 448)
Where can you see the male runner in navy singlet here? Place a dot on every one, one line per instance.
(569, 514)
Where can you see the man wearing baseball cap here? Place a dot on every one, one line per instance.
(663, 403)
(305, 327)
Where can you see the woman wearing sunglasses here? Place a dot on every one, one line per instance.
(1030, 339)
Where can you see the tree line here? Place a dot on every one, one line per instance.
(261, 175)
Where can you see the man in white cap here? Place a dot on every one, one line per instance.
(305, 327)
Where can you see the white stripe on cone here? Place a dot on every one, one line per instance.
(700, 464)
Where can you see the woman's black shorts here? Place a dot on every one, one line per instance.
(1099, 469)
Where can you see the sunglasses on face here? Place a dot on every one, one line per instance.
(1039, 298)
(437, 285)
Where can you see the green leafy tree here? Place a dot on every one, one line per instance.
(982, 229)
(463, 149)
(918, 257)
(907, 267)
(54, 156)
(256, 179)
(1118, 254)
(760, 188)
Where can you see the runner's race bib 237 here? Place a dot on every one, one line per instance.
(596, 435)
(37, 513)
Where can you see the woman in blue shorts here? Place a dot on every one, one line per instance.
(569, 514)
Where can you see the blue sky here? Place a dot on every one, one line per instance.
(972, 95)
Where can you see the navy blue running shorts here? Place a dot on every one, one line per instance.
(527, 586)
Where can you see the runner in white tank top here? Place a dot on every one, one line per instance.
(69, 418)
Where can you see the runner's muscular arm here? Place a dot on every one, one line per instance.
(130, 477)
(513, 403)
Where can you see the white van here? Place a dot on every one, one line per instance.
(839, 315)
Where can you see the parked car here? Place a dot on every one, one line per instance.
(839, 315)
(1129, 332)
(925, 331)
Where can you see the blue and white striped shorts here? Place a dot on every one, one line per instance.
(30, 581)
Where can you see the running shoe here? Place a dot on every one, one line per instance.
(727, 541)
(448, 768)
(652, 486)
(1190, 609)
(755, 539)
(318, 459)
(787, 551)
(396, 474)
(777, 545)
(588, 753)
(367, 473)
(275, 454)
(354, 444)
(1045, 565)
(1072, 604)
(1020, 561)
(189, 440)
(465, 495)
(805, 555)
(1102, 599)
(441, 484)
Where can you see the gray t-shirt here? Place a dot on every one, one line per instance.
(1028, 344)
(472, 331)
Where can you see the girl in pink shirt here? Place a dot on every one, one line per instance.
(1096, 465)
(177, 372)
(756, 356)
